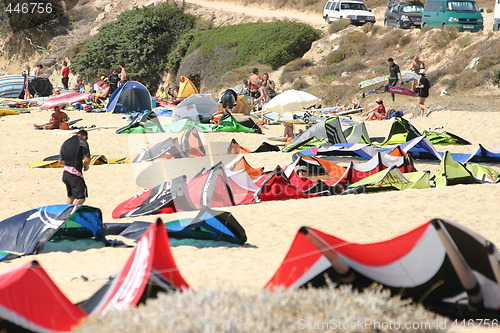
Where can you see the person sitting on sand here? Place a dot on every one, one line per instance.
(55, 92)
(377, 113)
(300, 180)
(55, 120)
(162, 94)
(102, 91)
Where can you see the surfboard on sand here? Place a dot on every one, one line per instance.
(63, 100)
(7, 112)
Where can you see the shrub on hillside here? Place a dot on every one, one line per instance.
(496, 78)
(338, 25)
(213, 53)
(443, 37)
(141, 37)
(300, 84)
(298, 65)
(465, 81)
(465, 41)
(404, 40)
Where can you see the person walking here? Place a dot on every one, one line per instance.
(394, 76)
(416, 66)
(65, 75)
(423, 92)
(75, 156)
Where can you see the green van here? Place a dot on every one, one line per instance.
(463, 14)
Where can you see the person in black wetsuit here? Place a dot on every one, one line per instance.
(228, 99)
(75, 155)
(113, 81)
(394, 75)
(423, 92)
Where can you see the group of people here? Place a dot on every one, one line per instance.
(396, 79)
(260, 89)
(104, 87)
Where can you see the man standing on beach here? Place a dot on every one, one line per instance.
(394, 75)
(65, 75)
(75, 155)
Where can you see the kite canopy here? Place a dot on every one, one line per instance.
(147, 122)
(441, 264)
(30, 299)
(209, 224)
(28, 232)
(149, 270)
(401, 131)
(65, 99)
(290, 100)
(329, 131)
(196, 107)
(130, 97)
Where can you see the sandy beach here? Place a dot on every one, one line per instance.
(270, 226)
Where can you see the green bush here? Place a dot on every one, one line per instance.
(215, 52)
(338, 25)
(404, 40)
(141, 37)
(443, 37)
(496, 78)
(488, 61)
(273, 44)
(298, 64)
(465, 81)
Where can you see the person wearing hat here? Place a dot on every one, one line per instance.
(423, 92)
(300, 180)
(376, 113)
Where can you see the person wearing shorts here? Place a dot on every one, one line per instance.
(394, 75)
(423, 92)
(75, 155)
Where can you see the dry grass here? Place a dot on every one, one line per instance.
(232, 310)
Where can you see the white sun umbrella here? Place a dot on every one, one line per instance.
(289, 101)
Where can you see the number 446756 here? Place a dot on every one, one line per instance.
(29, 8)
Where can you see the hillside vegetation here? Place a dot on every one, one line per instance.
(214, 53)
(142, 38)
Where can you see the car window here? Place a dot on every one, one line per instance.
(353, 6)
(412, 9)
(462, 6)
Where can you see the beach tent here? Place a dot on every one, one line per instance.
(357, 134)
(186, 88)
(393, 179)
(329, 130)
(11, 86)
(440, 264)
(209, 224)
(196, 108)
(453, 173)
(130, 97)
(149, 270)
(401, 131)
(147, 122)
(28, 232)
(242, 164)
(31, 300)
(185, 145)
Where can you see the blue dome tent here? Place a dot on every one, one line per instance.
(130, 97)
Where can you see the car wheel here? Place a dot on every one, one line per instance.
(443, 26)
(327, 20)
(398, 25)
(385, 23)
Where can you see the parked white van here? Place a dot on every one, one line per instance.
(353, 10)
(496, 20)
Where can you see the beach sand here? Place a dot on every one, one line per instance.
(270, 226)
